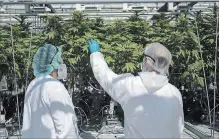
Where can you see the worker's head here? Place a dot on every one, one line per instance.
(47, 61)
(157, 58)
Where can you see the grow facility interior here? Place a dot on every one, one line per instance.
(123, 28)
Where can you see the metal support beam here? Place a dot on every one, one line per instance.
(197, 132)
(91, 14)
(102, 1)
(176, 3)
(51, 7)
(163, 8)
(86, 14)
(106, 16)
(191, 4)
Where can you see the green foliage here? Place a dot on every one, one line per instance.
(122, 43)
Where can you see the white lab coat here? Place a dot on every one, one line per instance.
(152, 107)
(48, 111)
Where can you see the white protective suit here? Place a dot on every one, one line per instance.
(48, 111)
(152, 107)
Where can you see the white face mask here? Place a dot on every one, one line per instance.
(62, 72)
(143, 68)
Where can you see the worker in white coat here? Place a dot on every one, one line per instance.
(152, 106)
(48, 109)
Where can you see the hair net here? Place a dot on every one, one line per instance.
(158, 57)
(46, 60)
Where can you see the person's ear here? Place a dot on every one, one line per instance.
(54, 74)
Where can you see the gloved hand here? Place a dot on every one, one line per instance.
(93, 46)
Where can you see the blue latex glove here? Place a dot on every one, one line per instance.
(93, 46)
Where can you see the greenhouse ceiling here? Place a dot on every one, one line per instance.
(106, 9)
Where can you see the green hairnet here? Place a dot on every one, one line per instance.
(46, 60)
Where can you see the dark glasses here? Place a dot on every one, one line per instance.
(149, 57)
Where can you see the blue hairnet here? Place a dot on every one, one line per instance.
(46, 60)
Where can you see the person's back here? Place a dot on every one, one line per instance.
(152, 112)
(48, 109)
(152, 107)
(42, 107)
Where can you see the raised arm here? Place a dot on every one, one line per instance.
(115, 85)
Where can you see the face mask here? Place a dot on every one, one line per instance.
(143, 68)
(62, 72)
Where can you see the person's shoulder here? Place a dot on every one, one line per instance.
(55, 89)
(125, 76)
(128, 75)
(53, 81)
(132, 78)
(175, 91)
(49, 83)
(32, 83)
(125, 79)
(174, 88)
(54, 84)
